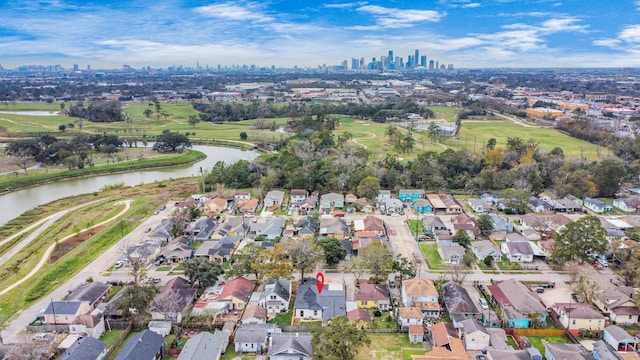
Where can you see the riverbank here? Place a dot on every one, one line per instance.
(10, 183)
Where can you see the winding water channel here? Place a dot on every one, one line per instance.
(15, 203)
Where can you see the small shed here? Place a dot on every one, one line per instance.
(162, 328)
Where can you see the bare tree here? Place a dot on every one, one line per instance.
(21, 158)
(456, 273)
(134, 261)
(31, 350)
(354, 266)
(167, 303)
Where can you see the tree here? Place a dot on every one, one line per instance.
(202, 272)
(375, 257)
(147, 113)
(608, 175)
(485, 223)
(491, 144)
(245, 260)
(135, 300)
(169, 141)
(338, 340)
(579, 240)
(62, 127)
(243, 135)
(461, 237)
(22, 158)
(333, 250)
(368, 187)
(433, 131)
(168, 303)
(404, 267)
(494, 157)
(356, 267)
(304, 254)
(274, 264)
(193, 120)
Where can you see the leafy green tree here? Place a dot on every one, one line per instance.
(135, 300)
(243, 135)
(578, 240)
(169, 141)
(193, 120)
(375, 257)
(202, 272)
(404, 267)
(608, 175)
(461, 237)
(147, 113)
(334, 252)
(368, 187)
(274, 264)
(485, 223)
(338, 340)
(245, 260)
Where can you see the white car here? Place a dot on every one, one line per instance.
(483, 304)
(118, 264)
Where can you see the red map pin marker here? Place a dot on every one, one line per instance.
(319, 282)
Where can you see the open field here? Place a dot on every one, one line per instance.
(445, 112)
(387, 347)
(475, 134)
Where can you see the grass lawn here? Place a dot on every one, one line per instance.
(406, 354)
(537, 341)
(412, 224)
(115, 353)
(513, 344)
(508, 265)
(383, 322)
(385, 347)
(282, 318)
(163, 268)
(445, 112)
(110, 337)
(231, 354)
(479, 132)
(430, 252)
(482, 266)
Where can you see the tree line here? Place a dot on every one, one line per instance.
(97, 111)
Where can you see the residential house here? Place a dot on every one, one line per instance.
(453, 351)
(362, 239)
(205, 345)
(617, 303)
(364, 205)
(273, 198)
(330, 202)
(310, 203)
(538, 205)
(501, 224)
(88, 324)
(555, 351)
(241, 196)
(350, 199)
(92, 292)
(298, 196)
(450, 252)
(422, 206)
(216, 205)
(474, 335)
(603, 351)
(219, 251)
(187, 203)
(249, 206)
(271, 228)
(491, 198)
(372, 296)
(517, 251)
(65, 312)
(421, 293)
(383, 196)
(441, 334)
(444, 203)
(307, 226)
(483, 248)
(162, 328)
(145, 253)
(517, 302)
(467, 223)
(375, 224)
(597, 206)
(174, 298)
(176, 252)
(231, 226)
(145, 345)
(478, 206)
(290, 346)
(237, 291)
(564, 206)
(510, 354)
(410, 195)
(360, 317)
(458, 303)
(223, 297)
(254, 314)
(253, 338)
(334, 227)
(579, 316)
(416, 334)
(391, 206)
(163, 232)
(619, 339)
(311, 305)
(431, 224)
(203, 229)
(410, 316)
(276, 295)
(87, 348)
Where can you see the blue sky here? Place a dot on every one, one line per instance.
(466, 33)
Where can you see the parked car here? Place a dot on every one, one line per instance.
(576, 298)
(118, 264)
(163, 207)
(147, 230)
(483, 304)
(538, 289)
(339, 215)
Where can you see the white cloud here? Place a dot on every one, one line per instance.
(344, 5)
(232, 11)
(638, 5)
(610, 43)
(471, 5)
(630, 34)
(391, 18)
(562, 24)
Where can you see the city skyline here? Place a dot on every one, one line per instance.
(467, 33)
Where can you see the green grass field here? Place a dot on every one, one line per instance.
(385, 347)
(445, 112)
(537, 342)
(432, 257)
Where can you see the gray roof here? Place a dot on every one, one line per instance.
(280, 287)
(605, 352)
(90, 292)
(472, 325)
(509, 354)
(291, 344)
(63, 307)
(457, 300)
(254, 333)
(204, 345)
(484, 246)
(271, 227)
(595, 202)
(333, 226)
(432, 221)
(617, 333)
(451, 249)
(143, 345)
(567, 351)
(205, 228)
(87, 348)
(307, 225)
(331, 302)
(275, 195)
(519, 247)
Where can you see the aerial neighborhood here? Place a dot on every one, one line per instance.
(244, 280)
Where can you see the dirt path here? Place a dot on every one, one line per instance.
(50, 249)
(370, 137)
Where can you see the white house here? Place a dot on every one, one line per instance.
(474, 335)
(410, 316)
(477, 205)
(517, 251)
(597, 205)
(624, 204)
(276, 295)
(273, 198)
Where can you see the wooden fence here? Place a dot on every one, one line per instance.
(119, 342)
(540, 332)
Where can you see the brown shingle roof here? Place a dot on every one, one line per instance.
(419, 287)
